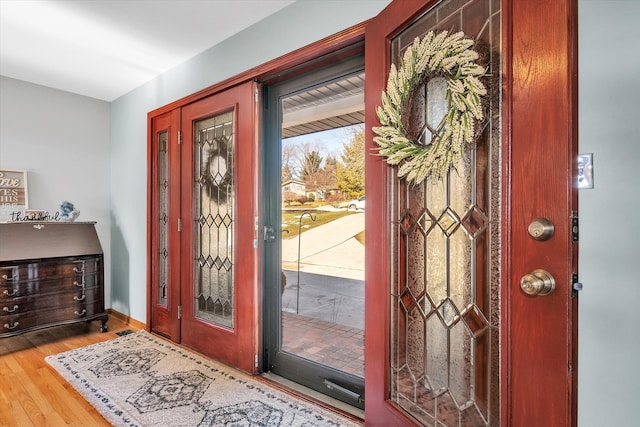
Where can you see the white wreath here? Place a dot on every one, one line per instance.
(443, 55)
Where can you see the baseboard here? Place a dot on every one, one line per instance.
(126, 319)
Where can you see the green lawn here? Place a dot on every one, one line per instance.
(291, 220)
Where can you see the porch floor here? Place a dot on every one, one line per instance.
(332, 344)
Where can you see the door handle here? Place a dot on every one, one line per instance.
(538, 282)
(345, 391)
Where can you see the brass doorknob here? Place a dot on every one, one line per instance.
(538, 282)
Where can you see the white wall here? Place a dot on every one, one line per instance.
(609, 127)
(295, 26)
(62, 141)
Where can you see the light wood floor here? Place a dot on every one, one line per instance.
(31, 392)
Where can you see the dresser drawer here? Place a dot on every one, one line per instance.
(10, 291)
(77, 311)
(30, 271)
(18, 305)
(16, 323)
(78, 298)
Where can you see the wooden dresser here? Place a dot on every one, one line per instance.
(51, 273)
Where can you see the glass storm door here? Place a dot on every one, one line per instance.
(219, 288)
(451, 338)
(314, 249)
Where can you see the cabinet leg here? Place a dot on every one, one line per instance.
(103, 324)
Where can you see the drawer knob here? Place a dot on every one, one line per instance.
(77, 298)
(6, 277)
(80, 285)
(10, 310)
(11, 326)
(12, 293)
(82, 313)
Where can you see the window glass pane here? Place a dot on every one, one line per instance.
(446, 254)
(163, 185)
(214, 207)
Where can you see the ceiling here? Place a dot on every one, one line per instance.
(335, 104)
(106, 48)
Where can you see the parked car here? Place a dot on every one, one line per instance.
(357, 204)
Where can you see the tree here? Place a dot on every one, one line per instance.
(311, 165)
(287, 174)
(350, 171)
(289, 196)
(324, 179)
(288, 159)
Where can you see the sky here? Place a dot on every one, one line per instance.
(328, 142)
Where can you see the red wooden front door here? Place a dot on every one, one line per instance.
(451, 337)
(219, 286)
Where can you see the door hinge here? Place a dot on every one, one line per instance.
(575, 227)
(179, 224)
(179, 137)
(256, 228)
(575, 283)
(256, 361)
(179, 312)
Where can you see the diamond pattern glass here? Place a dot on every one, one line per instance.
(163, 206)
(446, 250)
(214, 207)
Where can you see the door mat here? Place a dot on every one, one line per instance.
(142, 380)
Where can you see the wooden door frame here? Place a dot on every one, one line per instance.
(524, 58)
(347, 43)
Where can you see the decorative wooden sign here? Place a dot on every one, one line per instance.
(13, 193)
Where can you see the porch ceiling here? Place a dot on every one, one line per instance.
(330, 106)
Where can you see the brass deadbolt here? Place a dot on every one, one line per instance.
(541, 229)
(538, 282)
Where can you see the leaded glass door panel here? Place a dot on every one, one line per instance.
(445, 307)
(448, 342)
(215, 217)
(219, 290)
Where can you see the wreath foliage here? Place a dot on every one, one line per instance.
(447, 55)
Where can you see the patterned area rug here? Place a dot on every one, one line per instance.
(141, 380)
